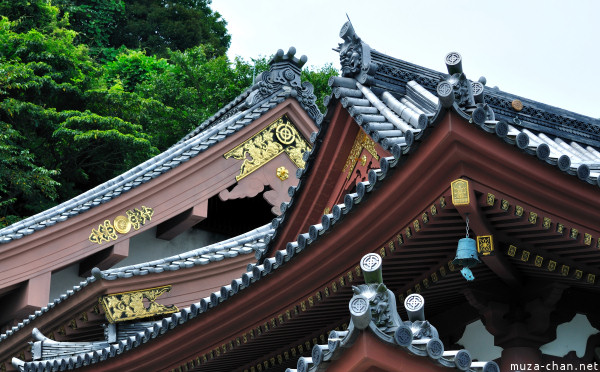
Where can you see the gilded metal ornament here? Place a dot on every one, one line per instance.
(547, 223)
(578, 274)
(460, 192)
(533, 218)
(564, 270)
(551, 265)
(525, 256)
(122, 224)
(587, 239)
(539, 260)
(282, 173)
(591, 278)
(518, 211)
(120, 307)
(362, 141)
(574, 233)
(490, 199)
(278, 137)
(504, 205)
(560, 228)
(512, 251)
(485, 245)
(107, 231)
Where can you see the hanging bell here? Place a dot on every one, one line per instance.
(466, 256)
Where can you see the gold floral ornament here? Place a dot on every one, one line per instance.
(120, 307)
(282, 173)
(280, 136)
(107, 231)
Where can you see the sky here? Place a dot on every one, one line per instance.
(547, 50)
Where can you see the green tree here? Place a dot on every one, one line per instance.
(159, 25)
(21, 179)
(43, 83)
(95, 21)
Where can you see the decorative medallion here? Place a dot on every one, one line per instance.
(539, 260)
(443, 202)
(518, 211)
(433, 210)
(417, 226)
(504, 205)
(578, 274)
(278, 137)
(425, 217)
(490, 199)
(517, 105)
(485, 245)
(434, 277)
(121, 224)
(591, 278)
(564, 270)
(587, 239)
(525, 256)
(120, 307)
(363, 160)
(362, 141)
(547, 223)
(560, 228)
(551, 265)
(460, 192)
(533, 218)
(574, 233)
(512, 250)
(283, 173)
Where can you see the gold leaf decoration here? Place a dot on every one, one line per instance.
(120, 307)
(278, 137)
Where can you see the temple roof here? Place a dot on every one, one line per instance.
(282, 81)
(397, 104)
(243, 244)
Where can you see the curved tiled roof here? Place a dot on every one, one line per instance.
(243, 110)
(251, 241)
(394, 113)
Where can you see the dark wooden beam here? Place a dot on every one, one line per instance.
(105, 259)
(183, 221)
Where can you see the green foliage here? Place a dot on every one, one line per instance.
(132, 67)
(159, 25)
(75, 113)
(30, 14)
(21, 179)
(93, 20)
(319, 77)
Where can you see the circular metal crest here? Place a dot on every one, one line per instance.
(370, 262)
(453, 58)
(285, 133)
(122, 224)
(414, 302)
(359, 305)
(444, 89)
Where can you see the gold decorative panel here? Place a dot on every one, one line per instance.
(120, 307)
(362, 141)
(460, 192)
(485, 245)
(108, 230)
(278, 137)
